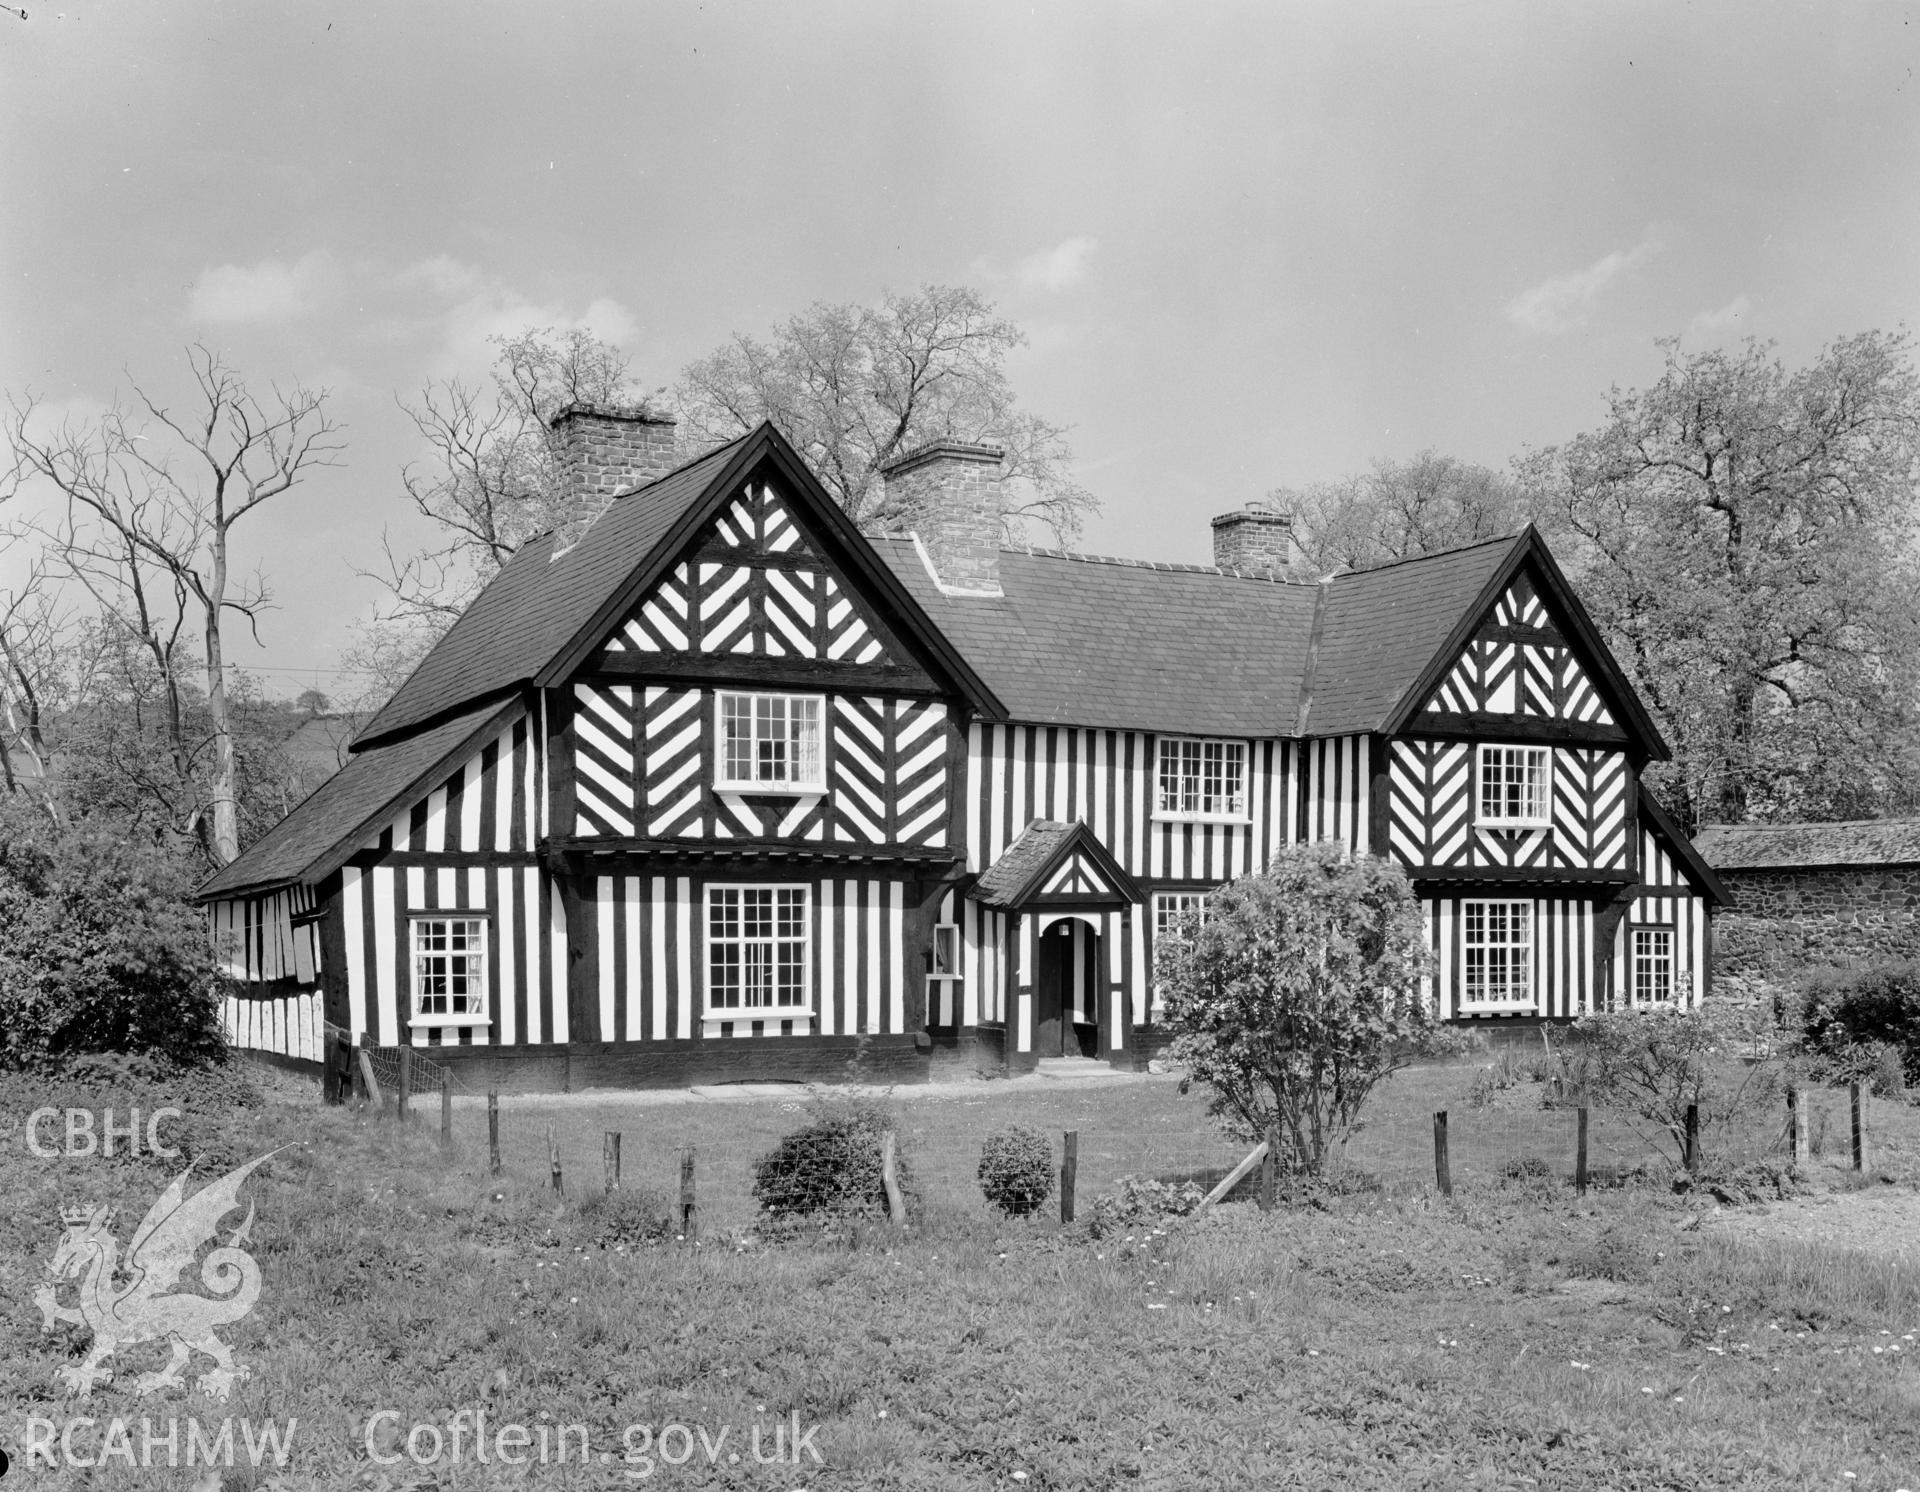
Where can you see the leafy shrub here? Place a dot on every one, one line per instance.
(100, 949)
(1137, 1200)
(1298, 994)
(1016, 1169)
(1526, 1168)
(1658, 1061)
(624, 1217)
(1845, 1017)
(831, 1166)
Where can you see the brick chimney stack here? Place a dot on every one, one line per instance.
(947, 493)
(603, 451)
(1255, 541)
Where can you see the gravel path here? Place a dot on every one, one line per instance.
(1880, 1220)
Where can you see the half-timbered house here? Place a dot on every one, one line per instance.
(707, 784)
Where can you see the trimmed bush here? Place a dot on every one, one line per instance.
(1848, 1019)
(100, 950)
(831, 1167)
(1016, 1169)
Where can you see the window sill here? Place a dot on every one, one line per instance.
(1161, 817)
(1519, 824)
(761, 1013)
(1500, 1007)
(772, 789)
(443, 1022)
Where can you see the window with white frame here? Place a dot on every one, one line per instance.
(946, 951)
(772, 743)
(1516, 786)
(1652, 965)
(449, 971)
(1497, 952)
(1171, 909)
(1202, 779)
(757, 947)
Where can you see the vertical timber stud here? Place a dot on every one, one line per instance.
(1269, 1168)
(1069, 1172)
(580, 905)
(446, 1107)
(1580, 1155)
(1691, 1159)
(1855, 1102)
(406, 1084)
(1442, 1172)
(1379, 790)
(689, 1208)
(1797, 1124)
(610, 1158)
(493, 1131)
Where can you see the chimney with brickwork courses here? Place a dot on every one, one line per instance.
(947, 494)
(602, 451)
(1254, 541)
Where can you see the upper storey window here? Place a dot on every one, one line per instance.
(1516, 787)
(1202, 779)
(770, 743)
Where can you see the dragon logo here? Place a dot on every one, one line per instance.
(127, 1302)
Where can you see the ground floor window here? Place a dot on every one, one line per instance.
(1652, 965)
(757, 941)
(1497, 948)
(449, 970)
(1171, 909)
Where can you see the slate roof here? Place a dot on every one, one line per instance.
(535, 605)
(331, 821)
(1002, 883)
(1810, 846)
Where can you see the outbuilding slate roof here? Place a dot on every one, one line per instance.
(331, 821)
(1863, 842)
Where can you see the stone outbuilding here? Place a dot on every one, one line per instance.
(1844, 893)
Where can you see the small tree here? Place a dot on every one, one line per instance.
(1298, 993)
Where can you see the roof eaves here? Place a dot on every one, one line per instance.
(1664, 825)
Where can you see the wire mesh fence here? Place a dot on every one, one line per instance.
(705, 1152)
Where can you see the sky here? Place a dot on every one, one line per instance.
(1251, 245)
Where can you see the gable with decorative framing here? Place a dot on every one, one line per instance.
(1520, 663)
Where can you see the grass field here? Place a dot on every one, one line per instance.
(1517, 1336)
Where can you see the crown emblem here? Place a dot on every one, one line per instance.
(76, 1217)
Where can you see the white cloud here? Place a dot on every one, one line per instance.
(1567, 301)
(1733, 316)
(267, 293)
(464, 306)
(1061, 267)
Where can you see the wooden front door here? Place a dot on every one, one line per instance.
(1052, 1003)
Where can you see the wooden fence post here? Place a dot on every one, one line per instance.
(1690, 1158)
(890, 1179)
(493, 1131)
(446, 1107)
(1859, 1129)
(1442, 1171)
(610, 1157)
(1269, 1168)
(1069, 1172)
(1797, 1125)
(369, 1084)
(406, 1084)
(689, 1209)
(330, 1069)
(1580, 1157)
(553, 1157)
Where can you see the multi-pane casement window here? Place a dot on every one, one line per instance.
(771, 743)
(449, 971)
(1652, 965)
(1497, 953)
(1202, 779)
(757, 945)
(946, 951)
(1171, 909)
(1516, 787)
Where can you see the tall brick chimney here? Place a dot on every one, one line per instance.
(1254, 541)
(947, 493)
(602, 451)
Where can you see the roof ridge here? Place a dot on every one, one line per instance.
(1041, 551)
(1414, 559)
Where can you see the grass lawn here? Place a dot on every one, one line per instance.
(1517, 1336)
